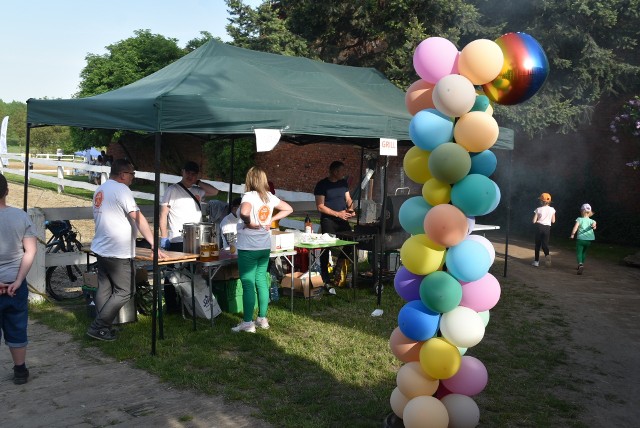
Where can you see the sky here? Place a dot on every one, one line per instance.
(43, 43)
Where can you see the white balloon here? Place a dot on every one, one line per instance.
(463, 411)
(462, 327)
(486, 243)
(454, 95)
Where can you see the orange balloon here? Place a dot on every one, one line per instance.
(412, 381)
(425, 412)
(418, 96)
(405, 349)
(476, 131)
(481, 61)
(446, 225)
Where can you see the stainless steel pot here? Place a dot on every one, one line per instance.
(193, 234)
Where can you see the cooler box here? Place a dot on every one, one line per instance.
(281, 241)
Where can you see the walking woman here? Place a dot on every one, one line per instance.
(254, 246)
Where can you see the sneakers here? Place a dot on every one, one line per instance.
(329, 289)
(547, 261)
(105, 334)
(580, 269)
(535, 263)
(20, 376)
(247, 326)
(262, 322)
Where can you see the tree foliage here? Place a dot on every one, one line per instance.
(218, 153)
(591, 44)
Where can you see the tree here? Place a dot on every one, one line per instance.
(219, 154)
(48, 139)
(195, 43)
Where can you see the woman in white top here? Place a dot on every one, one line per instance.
(254, 246)
(543, 217)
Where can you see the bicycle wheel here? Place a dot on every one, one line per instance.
(64, 282)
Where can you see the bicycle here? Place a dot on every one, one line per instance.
(61, 282)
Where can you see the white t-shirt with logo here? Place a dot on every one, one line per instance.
(182, 209)
(545, 214)
(261, 213)
(115, 231)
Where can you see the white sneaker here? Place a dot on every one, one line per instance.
(248, 326)
(536, 264)
(262, 322)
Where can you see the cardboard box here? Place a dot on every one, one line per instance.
(301, 282)
(90, 279)
(281, 241)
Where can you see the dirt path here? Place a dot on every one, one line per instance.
(602, 307)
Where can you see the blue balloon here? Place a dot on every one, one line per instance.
(418, 322)
(468, 261)
(429, 128)
(484, 163)
(411, 214)
(474, 195)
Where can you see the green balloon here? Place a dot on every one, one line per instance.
(449, 163)
(440, 292)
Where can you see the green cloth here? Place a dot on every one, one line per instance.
(252, 266)
(585, 229)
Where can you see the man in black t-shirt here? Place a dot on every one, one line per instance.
(335, 206)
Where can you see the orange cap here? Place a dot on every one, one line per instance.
(545, 197)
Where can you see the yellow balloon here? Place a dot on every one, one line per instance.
(439, 358)
(435, 192)
(476, 131)
(412, 381)
(481, 61)
(425, 412)
(421, 256)
(398, 402)
(416, 164)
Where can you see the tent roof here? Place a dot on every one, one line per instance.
(222, 89)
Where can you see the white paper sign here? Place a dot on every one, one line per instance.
(388, 147)
(266, 139)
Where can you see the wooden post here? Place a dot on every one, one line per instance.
(36, 276)
(60, 178)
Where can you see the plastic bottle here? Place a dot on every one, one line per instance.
(274, 293)
(308, 226)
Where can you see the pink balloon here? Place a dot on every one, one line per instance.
(471, 378)
(481, 295)
(435, 58)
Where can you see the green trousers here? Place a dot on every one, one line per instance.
(252, 266)
(582, 246)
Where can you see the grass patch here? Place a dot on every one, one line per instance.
(331, 366)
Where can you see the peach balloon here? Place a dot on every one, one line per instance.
(446, 225)
(454, 95)
(418, 96)
(412, 381)
(481, 61)
(405, 349)
(476, 131)
(416, 164)
(425, 412)
(436, 192)
(398, 402)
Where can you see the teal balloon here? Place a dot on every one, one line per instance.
(412, 213)
(481, 104)
(468, 261)
(496, 200)
(474, 195)
(484, 163)
(429, 128)
(440, 292)
(449, 163)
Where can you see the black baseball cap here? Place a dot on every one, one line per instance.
(191, 166)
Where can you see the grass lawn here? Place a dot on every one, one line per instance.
(331, 366)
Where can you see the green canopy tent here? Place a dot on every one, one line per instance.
(227, 91)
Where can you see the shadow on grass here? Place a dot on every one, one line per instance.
(331, 366)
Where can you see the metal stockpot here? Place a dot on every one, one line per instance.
(193, 234)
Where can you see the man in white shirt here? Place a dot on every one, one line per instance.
(181, 204)
(118, 220)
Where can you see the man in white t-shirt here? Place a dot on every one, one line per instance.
(118, 220)
(181, 204)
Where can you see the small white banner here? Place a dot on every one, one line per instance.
(266, 139)
(388, 147)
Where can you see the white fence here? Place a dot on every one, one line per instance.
(300, 201)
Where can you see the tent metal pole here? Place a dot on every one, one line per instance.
(506, 241)
(383, 226)
(26, 168)
(360, 184)
(156, 239)
(230, 195)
